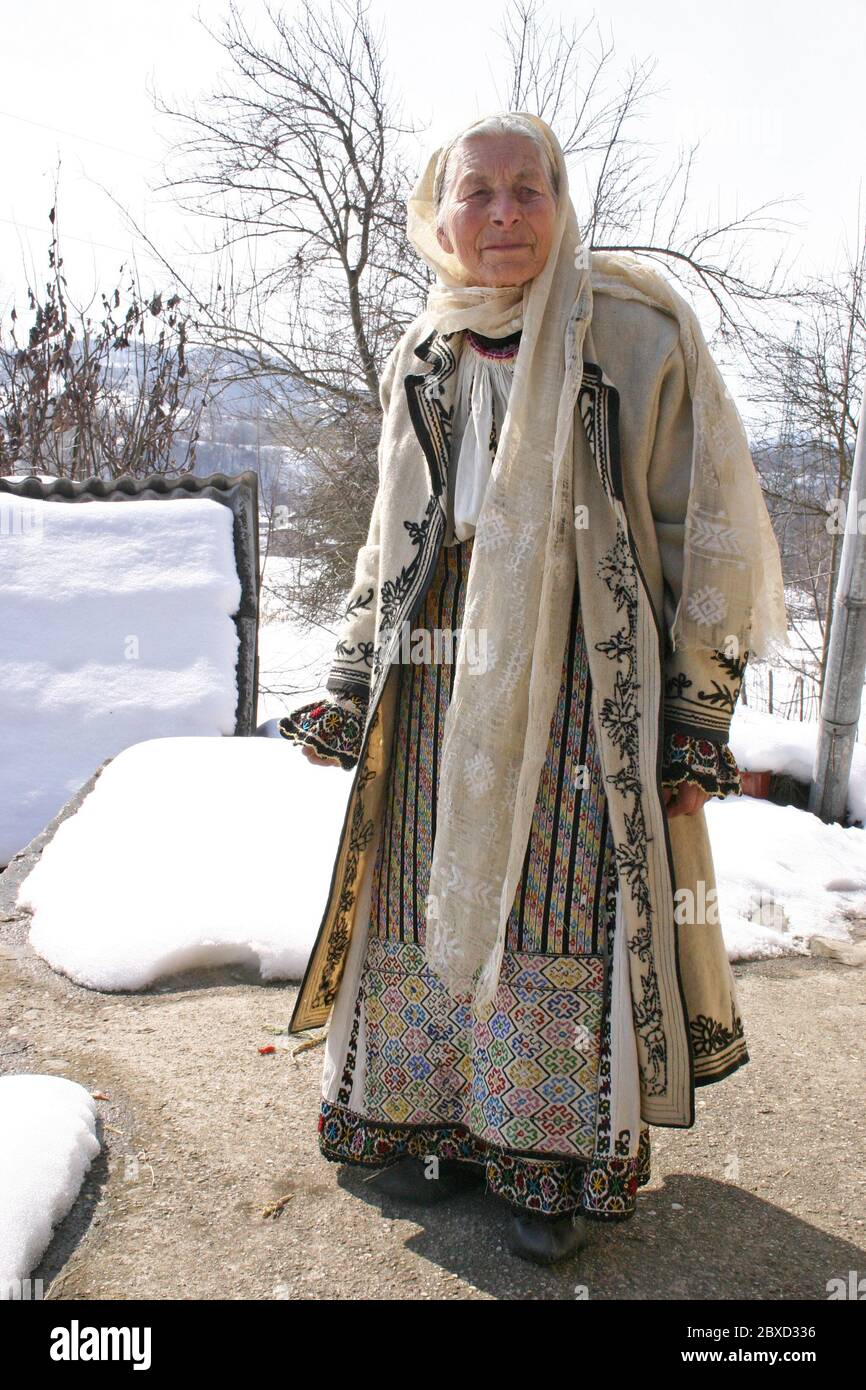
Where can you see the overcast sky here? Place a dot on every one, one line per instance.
(771, 88)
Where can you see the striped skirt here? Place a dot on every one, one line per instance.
(540, 1086)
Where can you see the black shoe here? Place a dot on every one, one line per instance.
(406, 1179)
(546, 1239)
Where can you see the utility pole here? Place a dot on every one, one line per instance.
(792, 386)
(846, 659)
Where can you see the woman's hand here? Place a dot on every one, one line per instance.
(685, 799)
(313, 757)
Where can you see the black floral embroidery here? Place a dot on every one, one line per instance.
(353, 662)
(619, 715)
(718, 1048)
(710, 1036)
(432, 420)
(396, 594)
(735, 669)
(363, 651)
(703, 710)
(675, 686)
(362, 603)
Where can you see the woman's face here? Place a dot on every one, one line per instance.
(500, 209)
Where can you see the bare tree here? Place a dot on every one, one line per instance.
(299, 155)
(808, 385)
(81, 399)
(296, 159)
(565, 75)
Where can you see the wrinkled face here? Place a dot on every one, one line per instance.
(500, 209)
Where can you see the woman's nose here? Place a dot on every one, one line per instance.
(505, 210)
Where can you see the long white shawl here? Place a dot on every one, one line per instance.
(521, 578)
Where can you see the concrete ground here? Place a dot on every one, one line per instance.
(210, 1184)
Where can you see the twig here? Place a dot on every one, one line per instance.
(276, 1207)
(310, 1042)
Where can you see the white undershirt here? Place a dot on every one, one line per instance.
(482, 388)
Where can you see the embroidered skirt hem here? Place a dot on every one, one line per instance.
(604, 1189)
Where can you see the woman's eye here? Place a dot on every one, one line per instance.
(523, 191)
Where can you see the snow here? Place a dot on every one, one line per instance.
(196, 852)
(194, 849)
(189, 852)
(783, 876)
(48, 1126)
(294, 658)
(117, 628)
(762, 743)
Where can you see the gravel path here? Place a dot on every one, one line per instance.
(201, 1134)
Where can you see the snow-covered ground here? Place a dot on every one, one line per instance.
(790, 690)
(194, 851)
(189, 851)
(783, 876)
(765, 743)
(48, 1126)
(117, 627)
(201, 850)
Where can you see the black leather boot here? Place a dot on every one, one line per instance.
(406, 1179)
(546, 1239)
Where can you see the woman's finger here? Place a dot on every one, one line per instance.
(312, 756)
(689, 799)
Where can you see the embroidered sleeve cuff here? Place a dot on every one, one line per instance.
(343, 683)
(711, 765)
(334, 728)
(701, 692)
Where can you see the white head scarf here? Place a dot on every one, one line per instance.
(486, 723)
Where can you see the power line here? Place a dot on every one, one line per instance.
(88, 241)
(67, 236)
(88, 140)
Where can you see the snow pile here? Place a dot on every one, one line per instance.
(117, 627)
(48, 1126)
(190, 852)
(194, 852)
(783, 876)
(762, 743)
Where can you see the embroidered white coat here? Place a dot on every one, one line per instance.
(634, 414)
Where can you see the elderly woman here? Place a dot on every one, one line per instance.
(568, 563)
